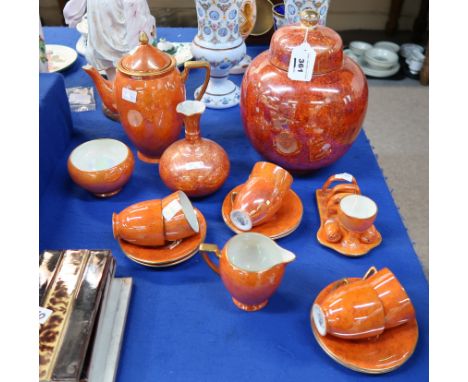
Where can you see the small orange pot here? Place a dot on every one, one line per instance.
(352, 311)
(261, 196)
(101, 166)
(251, 266)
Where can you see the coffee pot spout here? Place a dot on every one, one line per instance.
(104, 87)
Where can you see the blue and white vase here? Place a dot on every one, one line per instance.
(219, 42)
(295, 7)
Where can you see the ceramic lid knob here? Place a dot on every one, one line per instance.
(309, 18)
(143, 38)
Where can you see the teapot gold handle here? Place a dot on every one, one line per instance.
(213, 248)
(189, 65)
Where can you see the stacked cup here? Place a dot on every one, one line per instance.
(363, 308)
(153, 223)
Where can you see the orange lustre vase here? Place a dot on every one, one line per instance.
(195, 165)
(302, 124)
(145, 93)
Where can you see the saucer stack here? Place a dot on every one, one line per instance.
(169, 254)
(380, 60)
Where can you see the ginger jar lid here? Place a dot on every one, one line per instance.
(145, 60)
(326, 42)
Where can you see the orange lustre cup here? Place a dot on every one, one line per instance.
(351, 311)
(180, 219)
(261, 196)
(140, 224)
(357, 212)
(397, 305)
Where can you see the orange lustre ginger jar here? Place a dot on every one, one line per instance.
(303, 125)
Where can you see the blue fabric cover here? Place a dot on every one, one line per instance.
(182, 324)
(55, 125)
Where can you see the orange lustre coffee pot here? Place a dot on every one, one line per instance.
(146, 91)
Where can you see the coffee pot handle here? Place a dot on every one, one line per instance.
(213, 248)
(189, 65)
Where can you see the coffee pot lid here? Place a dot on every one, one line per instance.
(326, 42)
(145, 60)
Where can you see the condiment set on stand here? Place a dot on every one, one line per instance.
(148, 94)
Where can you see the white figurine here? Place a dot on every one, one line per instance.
(113, 29)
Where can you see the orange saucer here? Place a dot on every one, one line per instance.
(285, 221)
(376, 355)
(167, 255)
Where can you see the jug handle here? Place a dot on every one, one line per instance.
(213, 248)
(189, 65)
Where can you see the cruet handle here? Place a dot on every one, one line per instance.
(213, 248)
(189, 65)
(341, 177)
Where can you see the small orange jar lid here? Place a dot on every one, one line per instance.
(145, 60)
(326, 42)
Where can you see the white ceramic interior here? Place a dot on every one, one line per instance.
(387, 45)
(191, 107)
(254, 252)
(319, 320)
(241, 220)
(99, 154)
(358, 206)
(381, 58)
(189, 211)
(359, 47)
